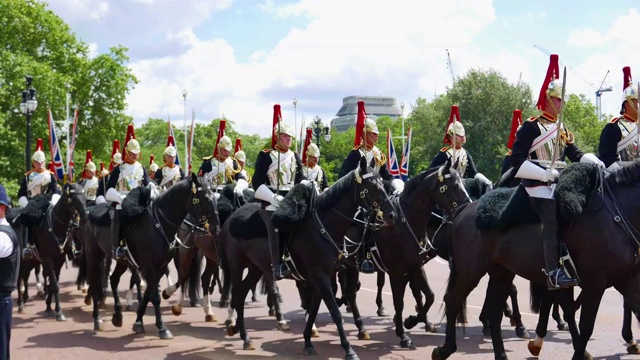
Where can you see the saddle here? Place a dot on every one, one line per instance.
(246, 222)
(99, 215)
(296, 207)
(135, 204)
(34, 212)
(504, 207)
(228, 201)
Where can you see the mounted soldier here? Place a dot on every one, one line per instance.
(619, 138)
(153, 168)
(462, 161)
(170, 173)
(222, 169)
(310, 168)
(39, 180)
(125, 177)
(278, 168)
(90, 182)
(116, 159)
(365, 146)
(241, 158)
(541, 145)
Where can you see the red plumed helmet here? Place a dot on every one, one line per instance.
(360, 123)
(130, 135)
(626, 81)
(223, 125)
(454, 116)
(87, 159)
(277, 116)
(307, 141)
(552, 73)
(171, 141)
(515, 125)
(115, 149)
(39, 145)
(238, 145)
(151, 158)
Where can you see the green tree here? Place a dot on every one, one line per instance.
(580, 117)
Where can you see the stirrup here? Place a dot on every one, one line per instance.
(367, 267)
(27, 253)
(281, 272)
(120, 253)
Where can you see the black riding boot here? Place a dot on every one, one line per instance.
(120, 252)
(557, 276)
(280, 270)
(27, 251)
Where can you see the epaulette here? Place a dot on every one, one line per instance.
(509, 153)
(357, 147)
(615, 119)
(444, 149)
(207, 158)
(533, 118)
(266, 150)
(29, 172)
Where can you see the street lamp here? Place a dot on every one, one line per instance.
(27, 107)
(319, 129)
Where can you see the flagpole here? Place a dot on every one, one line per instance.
(68, 123)
(184, 96)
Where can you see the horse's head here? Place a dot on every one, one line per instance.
(202, 203)
(372, 195)
(73, 197)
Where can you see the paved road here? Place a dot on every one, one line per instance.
(37, 337)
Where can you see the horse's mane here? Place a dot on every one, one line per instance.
(628, 173)
(334, 192)
(415, 181)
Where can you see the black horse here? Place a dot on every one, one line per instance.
(312, 247)
(150, 242)
(604, 251)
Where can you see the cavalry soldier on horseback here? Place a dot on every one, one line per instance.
(460, 157)
(153, 168)
(278, 168)
(538, 152)
(311, 170)
(90, 182)
(241, 157)
(170, 173)
(39, 180)
(365, 146)
(125, 177)
(222, 169)
(619, 138)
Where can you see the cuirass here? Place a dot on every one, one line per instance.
(130, 177)
(629, 153)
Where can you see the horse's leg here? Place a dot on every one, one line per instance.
(419, 283)
(205, 279)
(516, 317)
(94, 274)
(564, 297)
(133, 281)
(152, 286)
(546, 303)
(120, 268)
(353, 277)
(138, 325)
(398, 286)
(252, 278)
(342, 280)
(312, 313)
(562, 326)
(498, 291)
(300, 285)
(253, 295)
(22, 288)
(54, 287)
(39, 284)
(627, 334)
(48, 271)
(272, 297)
(380, 283)
(590, 303)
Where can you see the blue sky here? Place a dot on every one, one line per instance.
(238, 58)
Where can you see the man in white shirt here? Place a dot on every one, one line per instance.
(9, 265)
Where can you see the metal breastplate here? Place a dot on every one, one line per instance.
(168, 178)
(283, 176)
(545, 152)
(38, 183)
(130, 177)
(221, 172)
(461, 158)
(375, 158)
(630, 151)
(314, 174)
(91, 188)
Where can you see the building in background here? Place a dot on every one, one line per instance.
(376, 106)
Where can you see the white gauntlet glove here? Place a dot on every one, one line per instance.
(397, 185)
(590, 158)
(241, 186)
(551, 175)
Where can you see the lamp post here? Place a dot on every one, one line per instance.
(319, 129)
(27, 107)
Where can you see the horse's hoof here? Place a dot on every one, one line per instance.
(176, 309)
(310, 350)
(382, 312)
(486, 330)
(128, 308)
(283, 326)
(533, 348)
(633, 349)
(513, 322)
(116, 320)
(164, 334)
(410, 322)
(430, 328)
(587, 356)
(364, 335)
(272, 312)
(84, 290)
(50, 313)
(165, 296)
(102, 305)
(231, 331)
(248, 346)
(522, 332)
(61, 317)
(563, 327)
(138, 327)
(437, 354)
(21, 310)
(230, 323)
(98, 325)
(351, 356)
(407, 344)
(315, 333)
(210, 318)
(254, 299)
(87, 300)
(348, 309)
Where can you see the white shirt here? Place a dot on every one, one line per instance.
(6, 245)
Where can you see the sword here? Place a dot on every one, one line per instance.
(556, 150)
(637, 117)
(278, 150)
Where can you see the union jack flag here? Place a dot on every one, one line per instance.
(392, 160)
(404, 163)
(54, 146)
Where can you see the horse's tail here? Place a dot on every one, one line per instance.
(537, 293)
(193, 280)
(461, 313)
(263, 285)
(225, 290)
(81, 262)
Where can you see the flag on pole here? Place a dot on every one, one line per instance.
(72, 146)
(54, 147)
(404, 164)
(392, 160)
(190, 150)
(173, 142)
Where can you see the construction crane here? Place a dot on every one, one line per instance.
(453, 78)
(599, 90)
